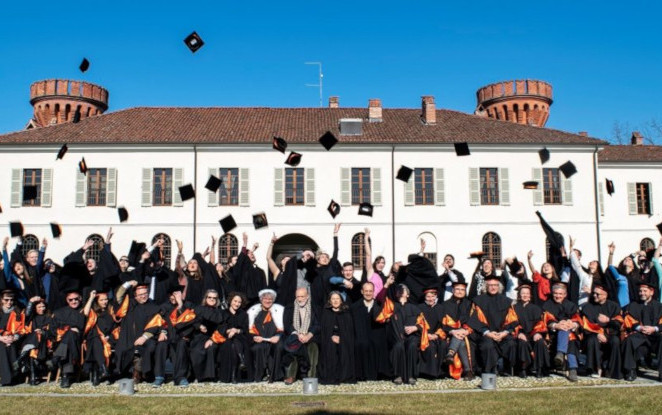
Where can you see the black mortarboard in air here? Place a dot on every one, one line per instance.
(328, 140)
(568, 169)
(213, 183)
(260, 220)
(84, 65)
(404, 173)
(194, 42)
(186, 192)
(476, 254)
(82, 166)
(0, 208)
(544, 155)
(76, 116)
(366, 209)
(15, 229)
(228, 223)
(293, 159)
(530, 184)
(659, 227)
(610, 186)
(514, 266)
(56, 230)
(135, 252)
(29, 192)
(462, 149)
(123, 213)
(334, 209)
(280, 144)
(174, 288)
(62, 152)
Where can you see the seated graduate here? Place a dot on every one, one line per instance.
(602, 320)
(302, 331)
(532, 353)
(265, 320)
(206, 338)
(175, 340)
(459, 337)
(39, 333)
(11, 326)
(69, 325)
(337, 343)
(431, 359)
(234, 355)
(563, 324)
(98, 337)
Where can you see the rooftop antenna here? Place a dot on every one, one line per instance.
(321, 75)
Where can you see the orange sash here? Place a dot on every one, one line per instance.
(387, 311)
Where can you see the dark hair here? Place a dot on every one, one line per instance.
(239, 294)
(343, 305)
(450, 255)
(400, 290)
(348, 264)
(379, 258)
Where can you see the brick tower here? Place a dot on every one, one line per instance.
(524, 102)
(55, 101)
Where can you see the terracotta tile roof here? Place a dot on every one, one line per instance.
(630, 153)
(296, 125)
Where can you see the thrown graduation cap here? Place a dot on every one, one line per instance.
(659, 227)
(76, 116)
(62, 152)
(260, 220)
(213, 183)
(279, 144)
(135, 251)
(293, 159)
(610, 186)
(194, 42)
(29, 192)
(544, 155)
(530, 185)
(82, 166)
(334, 208)
(228, 223)
(366, 209)
(404, 173)
(328, 140)
(462, 149)
(568, 169)
(514, 266)
(84, 65)
(123, 214)
(0, 208)
(476, 254)
(15, 229)
(187, 192)
(56, 230)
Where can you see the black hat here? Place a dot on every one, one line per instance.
(213, 183)
(659, 227)
(404, 173)
(0, 208)
(492, 276)
(476, 254)
(82, 166)
(62, 152)
(544, 155)
(123, 213)
(194, 42)
(279, 144)
(260, 220)
(292, 343)
(135, 251)
(514, 266)
(15, 229)
(366, 209)
(524, 284)
(460, 281)
(228, 223)
(647, 283)
(431, 288)
(334, 209)
(186, 192)
(76, 116)
(293, 159)
(328, 140)
(175, 288)
(56, 230)
(29, 192)
(568, 169)
(462, 149)
(530, 185)
(84, 65)
(610, 186)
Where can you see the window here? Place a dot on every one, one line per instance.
(551, 186)
(489, 186)
(643, 199)
(229, 190)
(360, 186)
(162, 189)
(228, 246)
(294, 186)
(94, 250)
(96, 187)
(492, 248)
(358, 251)
(32, 177)
(166, 248)
(424, 189)
(30, 242)
(646, 244)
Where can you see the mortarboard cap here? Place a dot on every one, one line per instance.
(530, 185)
(260, 220)
(0, 208)
(544, 155)
(123, 213)
(62, 152)
(82, 166)
(610, 186)
(84, 65)
(431, 289)
(334, 208)
(56, 230)
(366, 209)
(492, 276)
(135, 251)
(514, 266)
(29, 192)
(647, 283)
(280, 144)
(568, 169)
(228, 223)
(176, 287)
(460, 281)
(186, 192)
(404, 173)
(462, 149)
(76, 116)
(659, 227)
(476, 254)
(293, 159)
(328, 140)
(15, 229)
(213, 183)
(194, 42)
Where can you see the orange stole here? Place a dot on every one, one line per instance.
(423, 323)
(592, 327)
(267, 319)
(61, 332)
(186, 317)
(14, 325)
(511, 317)
(107, 349)
(387, 311)
(124, 308)
(480, 314)
(91, 321)
(217, 337)
(156, 321)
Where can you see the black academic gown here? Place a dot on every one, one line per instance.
(40, 329)
(135, 324)
(455, 314)
(248, 278)
(337, 360)
(609, 353)
(370, 347)
(98, 339)
(404, 348)
(9, 354)
(301, 355)
(418, 275)
(266, 355)
(204, 360)
(68, 346)
(530, 353)
(567, 310)
(235, 349)
(431, 359)
(636, 343)
(180, 322)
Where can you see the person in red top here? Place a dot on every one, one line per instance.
(542, 280)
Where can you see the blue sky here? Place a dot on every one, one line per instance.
(602, 58)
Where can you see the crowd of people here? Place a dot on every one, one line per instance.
(309, 316)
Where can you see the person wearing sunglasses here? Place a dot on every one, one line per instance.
(69, 325)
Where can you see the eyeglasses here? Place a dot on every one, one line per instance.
(212, 298)
(73, 299)
(8, 299)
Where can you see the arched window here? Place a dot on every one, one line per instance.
(166, 249)
(646, 244)
(358, 251)
(430, 251)
(492, 248)
(30, 242)
(228, 246)
(95, 249)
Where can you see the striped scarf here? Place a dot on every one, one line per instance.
(302, 322)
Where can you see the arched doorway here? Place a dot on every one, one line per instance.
(291, 244)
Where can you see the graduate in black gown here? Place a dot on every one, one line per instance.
(370, 347)
(247, 276)
(301, 352)
(563, 323)
(459, 337)
(69, 325)
(265, 321)
(11, 325)
(234, 357)
(207, 337)
(417, 275)
(98, 337)
(337, 343)
(404, 329)
(181, 319)
(601, 322)
(431, 359)
(39, 331)
(532, 351)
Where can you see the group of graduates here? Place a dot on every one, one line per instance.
(309, 316)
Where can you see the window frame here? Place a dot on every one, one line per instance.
(164, 197)
(100, 195)
(36, 178)
(422, 187)
(642, 195)
(361, 188)
(295, 192)
(229, 175)
(489, 186)
(552, 191)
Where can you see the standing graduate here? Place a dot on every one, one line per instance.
(529, 335)
(370, 348)
(431, 358)
(248, 277)
(337, 343)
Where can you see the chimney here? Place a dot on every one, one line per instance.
(334, 102)
(375, 110)
(428, 115)
(583, 133)
(637, 139)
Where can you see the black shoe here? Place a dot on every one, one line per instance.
(65, 382)
(539, 373)
(631, 376)
(397, 381)
(94, 377)
(522, 373)
(468, 376)
(33, 373)
(559, 360)
(572, 375)
(450, 357)
(242, 363)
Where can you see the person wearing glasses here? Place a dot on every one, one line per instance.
(234, 355)
(10, 329)
(69, 326)
(601, 320)
(207, 337)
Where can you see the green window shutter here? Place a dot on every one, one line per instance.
(439, 191)
(376, 186)
(504, 187)
(632, 198)
(309, 181)
(244, 181)
(147, 188)
(474, 186)
(345, 187)
(177, 182)
(46, 187)
(601, 199)
(111, 187)
(537, 193)
(279, 187)
(212, 197)
(650, 198)
(16, 188)
(409, 191)
(81, 189)
(566, 186)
